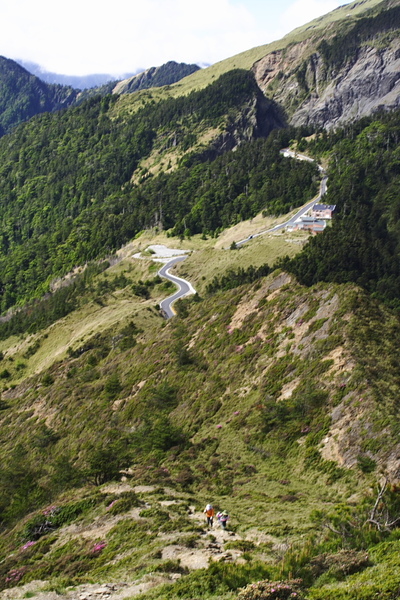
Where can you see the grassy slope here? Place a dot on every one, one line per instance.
(245, 60)
(209, 258)
(247, 345)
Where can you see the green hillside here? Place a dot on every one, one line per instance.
(23, 95)
(342, 18)
(232, 401)
(155, 77)
(363, 243)
(274, 391)
(66, 177)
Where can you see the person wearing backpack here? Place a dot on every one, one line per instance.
(223, 518)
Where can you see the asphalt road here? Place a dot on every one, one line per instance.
(184, 287)
(302, 210)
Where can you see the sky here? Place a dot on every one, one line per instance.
(81, 37)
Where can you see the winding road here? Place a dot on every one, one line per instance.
(184, 287)
(303, 209)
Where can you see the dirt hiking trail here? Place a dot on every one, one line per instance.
(209, 546)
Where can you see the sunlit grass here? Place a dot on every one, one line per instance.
(244, 60)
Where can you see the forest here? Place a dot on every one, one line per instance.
(344, 46)
(66, 196)
(23, 95)
(362, 246)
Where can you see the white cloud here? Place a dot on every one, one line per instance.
(117, 36)
(86, 36)
(302, 11)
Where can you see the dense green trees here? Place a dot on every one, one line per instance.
(66, 196)
(363, 243)
(23, 95)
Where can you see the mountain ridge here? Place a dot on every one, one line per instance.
(274, 391)
(23, 95)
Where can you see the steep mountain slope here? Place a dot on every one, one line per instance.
(169, 73)
(262, 398)
(23, 95)
(349, 73)
(273, 397)
(67, 176)
(297, 71)
(365, 178)
(333, 70)
(322, 26)
(155, 77)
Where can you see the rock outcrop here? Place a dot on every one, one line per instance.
(254, 120)
(339, 79)
(166, 74)
(369, 83)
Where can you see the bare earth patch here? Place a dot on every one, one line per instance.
(249, 304)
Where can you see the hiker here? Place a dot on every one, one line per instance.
(209, 512)
(222, 518)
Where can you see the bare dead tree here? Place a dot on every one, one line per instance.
(380, 515)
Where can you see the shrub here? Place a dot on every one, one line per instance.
(123, 503)
(141, 290)
(104, 464)
(366, 464)
(47, 380)
(340, 564)
(112, 386)
(216, 581)
(189, 541)
(271, 590)
(54, 517)
(157, 515)
(243, 545)
(37, 527)
(171, 566)
(15, 575)
(185, 477)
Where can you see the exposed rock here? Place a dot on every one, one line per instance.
(166, 74)
(367, 82)
(257, 119)
(370, 83)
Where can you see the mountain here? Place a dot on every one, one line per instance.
(166, 74)
(334, 70)
(169, 73)
(76, 168)
(155, 77)
(263, 398)
(78, 82)
(273, 391)
(23, 95)
(331, 80)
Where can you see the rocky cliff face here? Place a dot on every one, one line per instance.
(367, 84)
(166, 74)
(256, 119)
(314, 89)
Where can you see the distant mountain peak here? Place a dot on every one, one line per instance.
(166, 74)
(81, 82)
